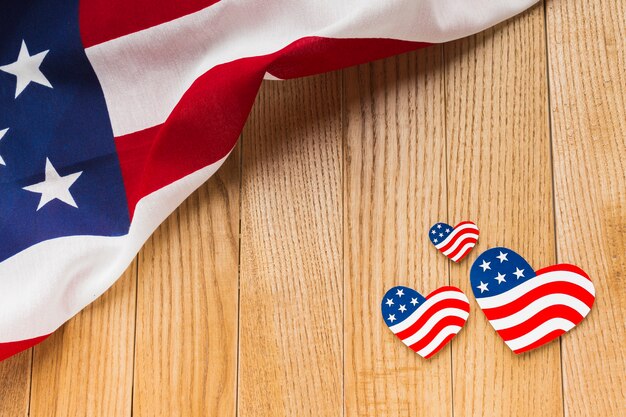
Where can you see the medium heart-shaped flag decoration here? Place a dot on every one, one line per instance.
(454, 242)
(427, 324)
(529, 308)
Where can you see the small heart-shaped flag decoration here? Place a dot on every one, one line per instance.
(454, 242)
(425, 325)
(529, 308)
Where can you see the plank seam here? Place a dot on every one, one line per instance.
(554, 214)
(132, 382)
(241, 140)
(446, 156)
(343, 246)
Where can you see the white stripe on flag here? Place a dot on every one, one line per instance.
(47, 284)
(144, 74)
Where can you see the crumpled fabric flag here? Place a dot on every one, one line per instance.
(113, 111)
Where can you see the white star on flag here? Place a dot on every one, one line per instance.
(519, 273)
(482, 287)
(2, 133)
(26, 69)
(54, 187)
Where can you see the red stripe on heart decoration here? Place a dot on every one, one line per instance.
(425, 324)
(529, 308)
(454, 242)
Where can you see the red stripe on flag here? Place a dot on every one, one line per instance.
(12, 348)
(314, 55)
(201, 130)
(103, 20)
(206, 122)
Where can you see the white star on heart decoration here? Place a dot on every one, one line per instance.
(54, 187)
(502, 257)
(26, 69)
(485, 265)
(500, 278)
(482, 287)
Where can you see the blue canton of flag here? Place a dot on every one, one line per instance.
(59, 171)
(497, 271)
(439, 232)
(399, 303)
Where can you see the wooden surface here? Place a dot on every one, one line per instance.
(260, 296)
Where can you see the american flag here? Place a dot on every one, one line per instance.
(425, 324)
(529, 308)
(454, 242)
(114, 111)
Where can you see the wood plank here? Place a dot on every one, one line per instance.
(587, 56)
(15, 380)
(395, 189)
(499, 175)
(86, 367)
(186, 348)
(291, 271)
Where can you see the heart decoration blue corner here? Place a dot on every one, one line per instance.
(454, 242)
(425, 324)
(529, 308)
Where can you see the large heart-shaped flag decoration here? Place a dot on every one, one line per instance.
(454, 242)
(529, 308)
(425, 325)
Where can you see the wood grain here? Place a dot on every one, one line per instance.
(86, 367)
(186, 355)
(587, 56)
(499, 175)
(15, 375)
(339, 178)
(291, 257)
(394, 190)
